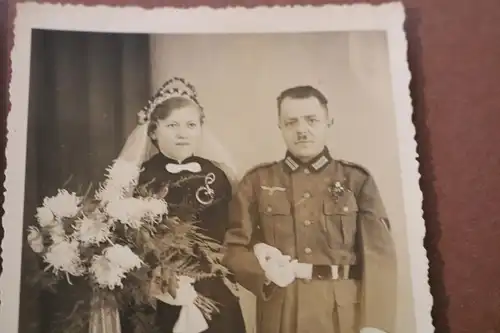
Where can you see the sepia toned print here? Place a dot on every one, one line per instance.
(201, 170)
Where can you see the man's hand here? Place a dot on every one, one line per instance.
(302, 271)
(265, 252)
(277, 267)
(279, 271)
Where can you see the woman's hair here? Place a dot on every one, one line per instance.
(164, 110)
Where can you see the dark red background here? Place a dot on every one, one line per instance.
(454, 56)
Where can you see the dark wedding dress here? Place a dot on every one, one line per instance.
(212, 218)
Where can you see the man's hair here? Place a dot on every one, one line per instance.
(302, 92)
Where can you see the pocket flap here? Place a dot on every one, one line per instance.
(277, 204)
(344, 206)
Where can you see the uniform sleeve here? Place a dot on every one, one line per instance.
(240, 237)
(379, 259)
(370, 203)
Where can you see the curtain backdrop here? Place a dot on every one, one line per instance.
(85, 91)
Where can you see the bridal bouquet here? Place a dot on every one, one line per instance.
(119, 240)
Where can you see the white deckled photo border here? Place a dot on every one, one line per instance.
(362, 17)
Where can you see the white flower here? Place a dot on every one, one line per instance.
(156, 207)
(57, 233)
(64, 204)
(92, 231)
(64, 256)
(44, 216)
(35, 240)
(106, 273)
(121, 177)
(123, 257)
(122, 174)
(129, 211)
(109, 192)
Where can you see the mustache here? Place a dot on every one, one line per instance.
(303, 138)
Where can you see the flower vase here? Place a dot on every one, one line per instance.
(104, 315)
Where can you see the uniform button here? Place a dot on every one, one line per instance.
(307, 222)
(307, 195)
(308, 250)
(346, 209)
(269, 209)
(306, 171)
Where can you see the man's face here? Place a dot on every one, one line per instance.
(304, 125)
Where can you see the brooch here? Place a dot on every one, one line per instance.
(205, 195)
(337, 190)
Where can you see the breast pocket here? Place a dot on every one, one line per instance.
(275, 215)
(340, 219)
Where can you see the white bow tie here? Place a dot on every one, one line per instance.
(176, 168)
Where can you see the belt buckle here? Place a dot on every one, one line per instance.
(343, 272)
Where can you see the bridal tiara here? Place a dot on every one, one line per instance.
(175, 87)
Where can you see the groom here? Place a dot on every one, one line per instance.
(309, 235)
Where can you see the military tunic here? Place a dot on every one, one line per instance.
(327, 212)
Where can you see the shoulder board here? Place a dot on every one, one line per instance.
(355, 165)
(261, 166)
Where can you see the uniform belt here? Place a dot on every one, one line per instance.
(327, 272)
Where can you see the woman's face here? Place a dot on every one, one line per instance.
(177, 135)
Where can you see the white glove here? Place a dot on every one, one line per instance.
(371, 330)
(265, 252)
(302, 271)
(280, 271)
(277, 266)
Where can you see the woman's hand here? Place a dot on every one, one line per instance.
(185, 294)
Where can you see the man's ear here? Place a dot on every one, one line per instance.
(331, 121)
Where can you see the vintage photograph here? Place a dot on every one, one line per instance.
(212, 170)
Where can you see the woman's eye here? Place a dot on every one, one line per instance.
(192, 125)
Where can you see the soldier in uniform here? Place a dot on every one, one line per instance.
(309, 235)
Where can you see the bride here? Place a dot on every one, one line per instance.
(199, 189)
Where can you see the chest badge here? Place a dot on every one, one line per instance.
(338, 190)
(272, 189)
